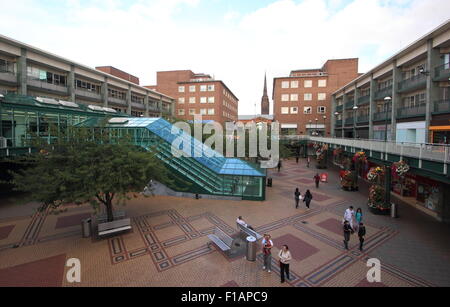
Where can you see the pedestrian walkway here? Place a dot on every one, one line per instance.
(168, 244)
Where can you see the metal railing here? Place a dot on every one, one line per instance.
(415, 82)
(432, 152)
(43, 84)
(382, 116)
(442, 72)
(383, 93)
(362, 119)
(442, 106)
(349, 104)
(412, 111)
(363, 100)
(87, 93)
(349, 121)
(339, 122)
(339, 108)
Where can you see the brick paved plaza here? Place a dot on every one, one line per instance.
(168, 244)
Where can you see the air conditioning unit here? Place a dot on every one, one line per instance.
(3, 142)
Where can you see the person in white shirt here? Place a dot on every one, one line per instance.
(240, 221)
(285, 259)
(267, 245)
(349, 216)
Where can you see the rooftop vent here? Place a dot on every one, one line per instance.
(96, 108)
(68, 104)
(48, 101)
(109, 110)
(118, 120)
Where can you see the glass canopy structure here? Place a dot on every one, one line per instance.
(208, 171)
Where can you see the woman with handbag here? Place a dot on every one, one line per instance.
(285, 258)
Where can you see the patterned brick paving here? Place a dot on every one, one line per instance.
(168, 244)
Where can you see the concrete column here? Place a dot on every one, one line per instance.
(344, 113)
(71, 83)
(129, 100)
(160, 106)
(104, 92)
(22, 72)
(432, 93)
(333, 117)
(146, 102)
(372, 106)
(355, 113)
(396, 100)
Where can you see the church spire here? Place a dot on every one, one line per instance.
(265, 104)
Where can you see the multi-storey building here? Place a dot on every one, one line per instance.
(27, 70)
(407, 96)
(198, 94)
(302, 101)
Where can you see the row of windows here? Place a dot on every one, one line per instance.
(306, 97)
(414, 100)
(193, 88)
(306, 110)
(306, 84)
(7, 66)
(193, 100)
(46, 76)
(182, 112)
(88, 86)
(137, 99)
(229, 96)
(229, 106)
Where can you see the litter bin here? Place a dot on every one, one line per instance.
(86, 227)
(394, 211)
(251, 248)
(269, 182)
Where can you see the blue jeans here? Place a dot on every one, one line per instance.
(268, 261)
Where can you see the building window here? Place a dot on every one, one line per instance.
(308, 83)
(203, 100)
(181, 89)
(181, 100)
(285, 97)
(181, 112)
(285, 110)
(203, 88)
(321, 110)
(294, 97)
(203, 111)
(322, 83)
(294, 84)
(285, 84)
(211, 111)
(192, 88)
(87, 86)
(294, 110)
(191, 111)
(307, 110)
(322, 96)
(211, 88)
(211, 100)
(192, 100)
(308, 97)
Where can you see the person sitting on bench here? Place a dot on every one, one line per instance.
(243, 223)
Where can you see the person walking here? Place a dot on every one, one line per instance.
(347, 232)
(349, 216)
(361, 235)
(358, 218)
(308, 198)
(285, 259)
(317, 180)
(297, 158)
(279, 166)
(308, 161)
(298, 196)
(267, 252)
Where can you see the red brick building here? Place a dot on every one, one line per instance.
(119, 74)
(198, 94)
(302, 101)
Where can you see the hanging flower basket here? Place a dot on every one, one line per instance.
(337, 151)
(360, 157)
(347, 180)
(400, 168)
(374, 174)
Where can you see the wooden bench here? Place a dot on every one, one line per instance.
(249, 232)
(103, 218)
(114, 227)
(221, 239)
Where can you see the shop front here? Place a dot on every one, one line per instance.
(440, 129)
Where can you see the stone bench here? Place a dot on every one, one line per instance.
(114, 227)
(221, 239)
(248, 231)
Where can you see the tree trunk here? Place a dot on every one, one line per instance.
(109, 210)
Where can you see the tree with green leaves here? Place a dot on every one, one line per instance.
(87, 166)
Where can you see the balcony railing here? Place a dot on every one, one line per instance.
(8, 76)
(442, 106)
(88, 94)
(118, 101)
(44, 85)
(383, 93)
(363, 100)
(382, 116)
(349, 104)
(416, 82)
(339, 122)
(349, 121)
(339, 108)
(442, 72)
(415, 111)
(362, 119)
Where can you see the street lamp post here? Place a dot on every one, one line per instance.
(336, 114)
(317, 127)
(324, 126)
(310, 126)
(387, 104)
(355, 108)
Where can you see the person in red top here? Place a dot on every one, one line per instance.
(267, 245)
(317, 180)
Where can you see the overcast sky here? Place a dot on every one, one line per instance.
(237, 41)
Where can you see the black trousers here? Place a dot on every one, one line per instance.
(346, 238)
(296, 203)
(284, 269)
(361, 242)
(317, 184)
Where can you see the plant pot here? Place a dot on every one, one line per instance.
(377, 211)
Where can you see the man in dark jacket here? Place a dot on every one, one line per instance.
(361, 235)
(347, 232)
